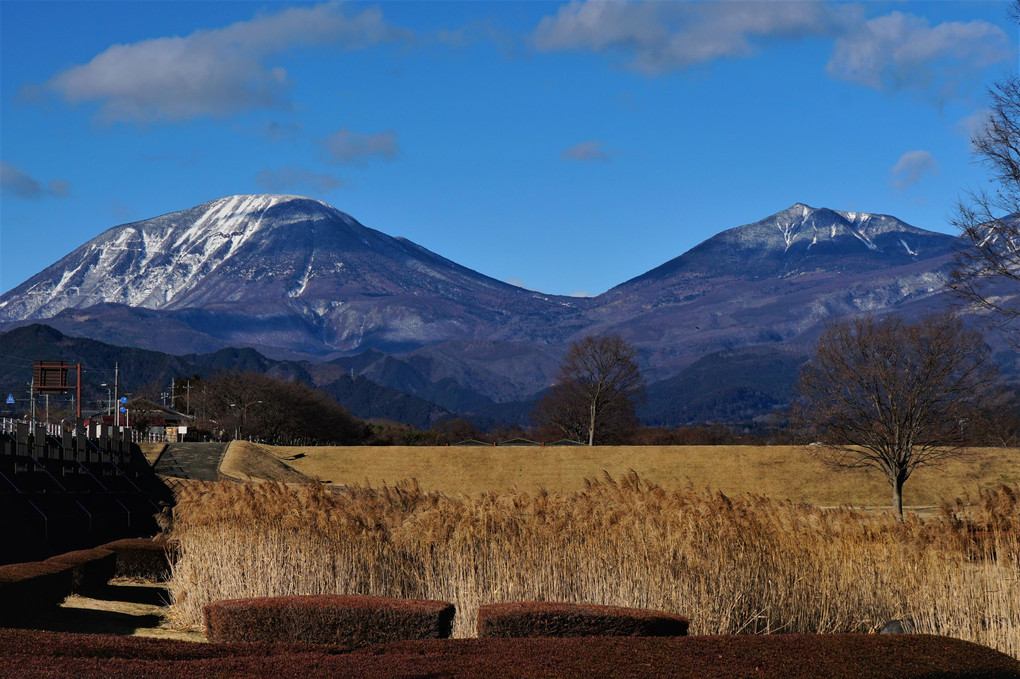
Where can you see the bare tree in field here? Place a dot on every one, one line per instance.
(593, 399)
(894, 396)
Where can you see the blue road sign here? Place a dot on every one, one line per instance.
(10, 399)
(123, 409)
(123, 399)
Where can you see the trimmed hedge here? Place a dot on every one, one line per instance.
(26, 653)
(26, 588)
(146, 558)
(549, 619)
(91, 568)
(347, 621)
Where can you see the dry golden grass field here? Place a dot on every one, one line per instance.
(739, 564)
(500, 524)
(779, 472)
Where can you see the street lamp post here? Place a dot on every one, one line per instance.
(244, 416)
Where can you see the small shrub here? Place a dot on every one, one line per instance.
(32, 586)
(91, 568)
(546, 619)
(348, 621)
(145, 558)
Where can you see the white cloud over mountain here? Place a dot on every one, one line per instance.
(213, 72)
(17, 183)
(903, 52)
(911, 167)
(655, 37)
(347, 146)
(891, 52)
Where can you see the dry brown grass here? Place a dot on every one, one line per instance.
(246, 461)
(788, 472)
(151, 451)
(731, 564)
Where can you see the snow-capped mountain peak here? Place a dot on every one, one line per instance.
(297, 274)
(257, 248)
(802, 239)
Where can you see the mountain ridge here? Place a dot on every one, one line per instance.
(299, 279)
(802, 238)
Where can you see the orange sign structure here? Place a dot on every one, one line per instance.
(50, 377)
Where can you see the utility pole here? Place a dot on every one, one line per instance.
(187, 402)
(173, 398)
(78, 391)
(31, 395)
(116, 375)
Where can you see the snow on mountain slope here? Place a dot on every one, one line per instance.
(294, 276)
(242, 249)
(802, 239)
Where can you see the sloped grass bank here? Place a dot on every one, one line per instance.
(46, 654)
(731, 565)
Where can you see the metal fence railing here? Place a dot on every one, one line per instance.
(8, 425)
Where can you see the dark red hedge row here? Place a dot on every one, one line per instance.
(346, 621)
(147, 558)
(838, 656)
(549, 619)
(28, 587)
(90, 568)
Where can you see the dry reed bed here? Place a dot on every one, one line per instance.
(733, 565)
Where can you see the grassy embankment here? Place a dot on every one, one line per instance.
(781, 472)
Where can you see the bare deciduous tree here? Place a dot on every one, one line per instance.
(894, 396)
(989, 220)
(249, 404)
(593, 399)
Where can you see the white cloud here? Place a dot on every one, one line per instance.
(348, 146)
(974, 124)
(896, 51)
(655, 37)
(277, 131)
(911, 166)
(213, 72)
(121, 211)
(517, 282)
(287, 178)
(17, 183)
(902, 52)
(586, 152)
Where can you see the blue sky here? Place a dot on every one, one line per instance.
(565, 147)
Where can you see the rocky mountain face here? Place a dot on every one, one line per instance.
(283, 272)
(775, 282)
(297, 278)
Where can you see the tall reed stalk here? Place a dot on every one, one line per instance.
(733, 565)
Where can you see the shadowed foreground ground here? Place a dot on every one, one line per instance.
(122, 607)
(25, 653)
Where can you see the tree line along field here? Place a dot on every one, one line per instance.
(779, 472)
